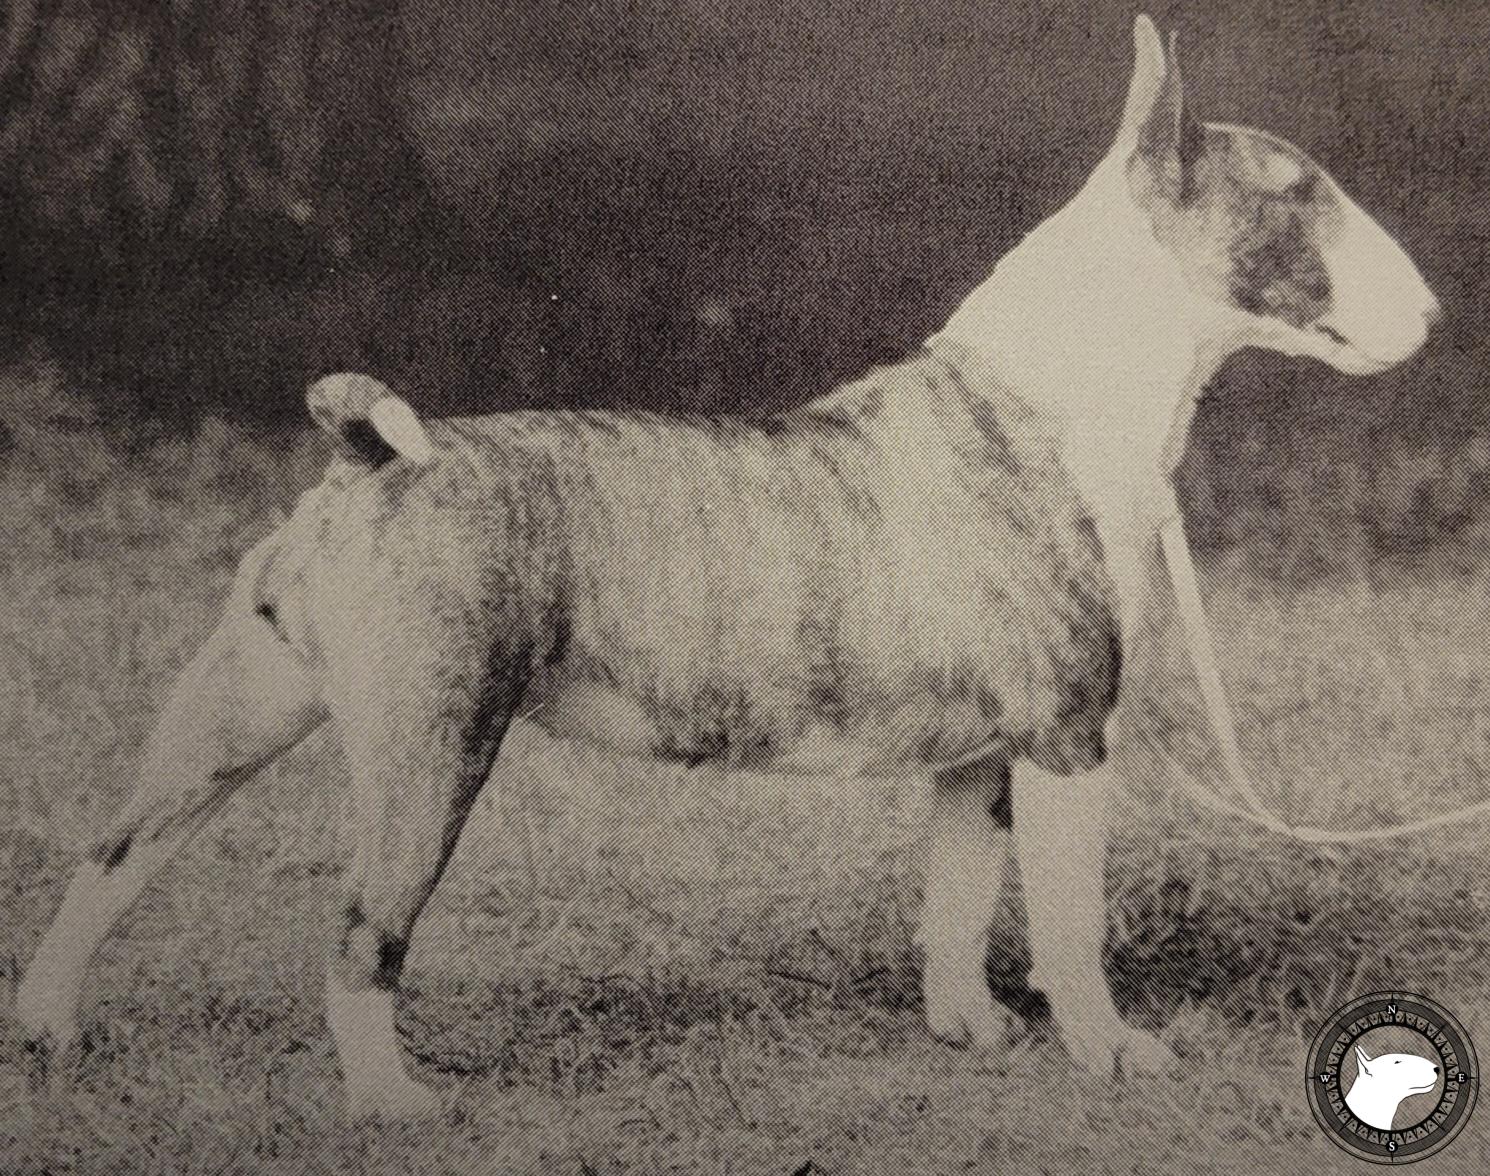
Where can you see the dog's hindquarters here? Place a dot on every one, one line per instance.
(241, 701)
(421, 726)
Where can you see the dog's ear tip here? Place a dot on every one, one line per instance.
(1150, 65)
(1146, 33)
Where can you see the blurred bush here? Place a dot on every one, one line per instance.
(133, 133)
(205, 203)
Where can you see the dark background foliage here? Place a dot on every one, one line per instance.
(676, 203)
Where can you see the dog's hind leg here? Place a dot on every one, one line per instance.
(242, 700)
(1060, 834)
(420, 734)
(965, 866)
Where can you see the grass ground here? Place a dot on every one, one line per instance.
(634, 968)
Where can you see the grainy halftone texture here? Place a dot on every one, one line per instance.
(632, 967)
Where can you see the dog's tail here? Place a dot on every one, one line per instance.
(368, 422)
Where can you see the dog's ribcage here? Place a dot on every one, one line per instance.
(900, 569)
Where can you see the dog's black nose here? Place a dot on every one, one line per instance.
(1435, 1069)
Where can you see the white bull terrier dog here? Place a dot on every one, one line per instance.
(1383, 1082)
(931, 569)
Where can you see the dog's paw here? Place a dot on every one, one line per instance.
(966, 1014)
(396, 1098)
(1141, 1053)
(46, 1016)
(1108, 1046)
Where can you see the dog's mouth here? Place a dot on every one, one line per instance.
(1347, 356)
(1331, 334)
(1364, 348)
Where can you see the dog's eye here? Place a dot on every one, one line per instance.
(270, 615)
(1305, 188)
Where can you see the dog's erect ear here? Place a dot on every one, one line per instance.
(1360, 1061)
(1149, 67)
(1157, 119)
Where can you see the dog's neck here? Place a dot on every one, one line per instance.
(1092, 322)
(1372, 1103)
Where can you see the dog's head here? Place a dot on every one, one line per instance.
(1262, 232)
(1404, 1074)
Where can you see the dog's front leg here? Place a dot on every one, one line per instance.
(966, 861)
(1060, 837)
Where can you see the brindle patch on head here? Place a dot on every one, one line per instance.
(1251, 224)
